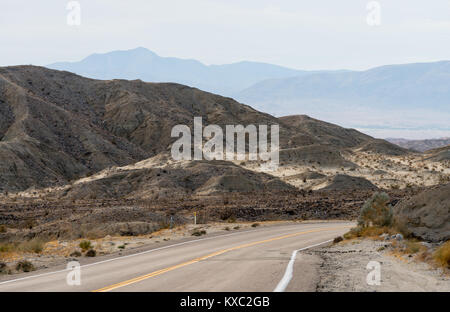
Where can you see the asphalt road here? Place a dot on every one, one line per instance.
(260, 259)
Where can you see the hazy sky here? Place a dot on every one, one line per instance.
(319, 34)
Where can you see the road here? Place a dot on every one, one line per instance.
(253, 260)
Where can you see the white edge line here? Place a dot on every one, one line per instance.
(284, 282)
(128, 256)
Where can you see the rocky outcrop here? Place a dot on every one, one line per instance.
(426, 215)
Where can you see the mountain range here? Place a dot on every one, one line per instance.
(141, 63)
(421, 145)
(396, 99)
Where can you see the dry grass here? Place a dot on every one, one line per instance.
(413, 247)
(369, 232)
(35, 245)
(442, 255)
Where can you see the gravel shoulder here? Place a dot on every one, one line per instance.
(343, 268)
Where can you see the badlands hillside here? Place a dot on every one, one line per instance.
(57, 128)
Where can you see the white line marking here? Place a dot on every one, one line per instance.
(284, 282)
(134, 255)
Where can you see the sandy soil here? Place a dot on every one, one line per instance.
(344, 269)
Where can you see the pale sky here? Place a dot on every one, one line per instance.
(319, 34)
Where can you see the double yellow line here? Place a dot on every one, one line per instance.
(159, 272)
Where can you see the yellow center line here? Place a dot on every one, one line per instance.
(171, 268)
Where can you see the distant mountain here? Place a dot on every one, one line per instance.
(421, 85)
(146, 65)
(421, 145)
(396, 97)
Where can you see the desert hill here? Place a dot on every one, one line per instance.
(323, 132)
(196, 177)
(421, 145)
(439, 154)
(58, 127)
(345, 182)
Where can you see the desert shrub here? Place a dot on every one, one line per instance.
(442, 255)
(76, 253)
(3, 228)
(3, 268)
(255, 224)
(413, 247)
(376, 211)
(198, 233)
(25, 266)
(121, 247)
(91, 253)
(85, 245)
(227, 228)
(337, 239)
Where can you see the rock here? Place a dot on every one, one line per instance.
(428, 245)
(338, 239)
(426, 215)
(399, 237)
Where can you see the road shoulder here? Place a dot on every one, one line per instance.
(344, 268)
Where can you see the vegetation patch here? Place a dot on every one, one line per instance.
(25, 266)
(85, 245)
(4, 268)
(91, 253)
(442, 255)
(76, 253)
(199, 233)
